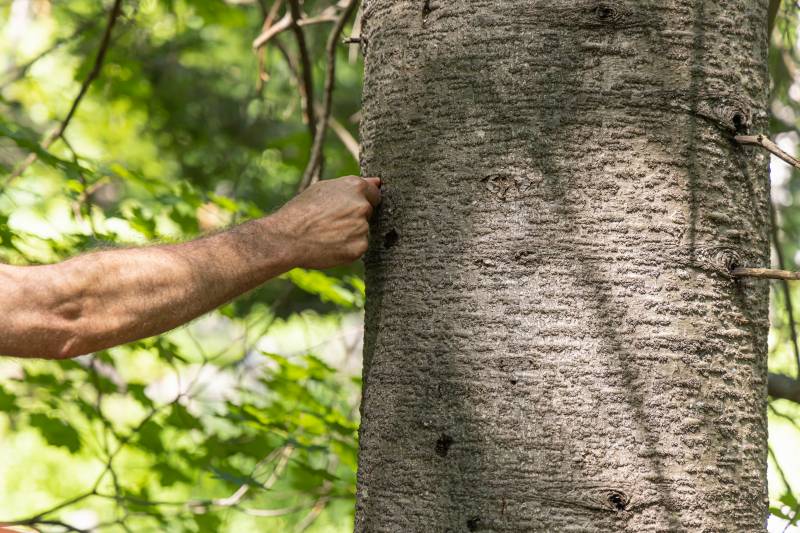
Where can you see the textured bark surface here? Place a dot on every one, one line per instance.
(553, 340)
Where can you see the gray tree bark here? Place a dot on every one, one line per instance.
(554, 341)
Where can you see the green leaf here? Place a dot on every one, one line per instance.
(207, 522)
(26, 140)
(137, 391)
(179, 417)
(329, 289)
(149, 436)
(56, 432)
(8, 402)
(169, 475)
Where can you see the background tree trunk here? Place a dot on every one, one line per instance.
(554, 342)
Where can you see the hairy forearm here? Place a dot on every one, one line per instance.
(106, 298)
(102, 299)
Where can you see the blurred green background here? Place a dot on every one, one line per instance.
(246, 419)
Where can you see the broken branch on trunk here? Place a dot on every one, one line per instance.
(764, 142)
(764, 273)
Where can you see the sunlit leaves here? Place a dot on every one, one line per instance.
(173, 140)
(328, 288)
(8, 402)
(56, 432)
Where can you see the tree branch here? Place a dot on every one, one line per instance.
(98, 63)
(347, 139)
(772, 14)
(307, 87)
(269, 19)
(764, 273)
(271, 30)
(315, 161)
(764, 142)
(787, 295)
(784, 387)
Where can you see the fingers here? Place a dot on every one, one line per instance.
(373, 191)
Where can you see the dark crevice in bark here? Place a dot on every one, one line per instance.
(390, 238)
(443, 445)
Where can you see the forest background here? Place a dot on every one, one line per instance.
(142, 121)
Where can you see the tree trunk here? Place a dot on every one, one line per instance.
(554, 341)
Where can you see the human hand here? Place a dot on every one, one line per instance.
(327, 224)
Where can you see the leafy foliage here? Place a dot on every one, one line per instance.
(784, 481)
(230, 423)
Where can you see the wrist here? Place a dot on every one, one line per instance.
(282, 244)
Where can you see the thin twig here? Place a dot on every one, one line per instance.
(764, 142)
(311, 172)
(271, 30)
(347, 139)
(98, 63)
(271, 513)
(261, 52)
(38, 518)
(307, 87)
(764, 273)
(787, 295)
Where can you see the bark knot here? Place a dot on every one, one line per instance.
(604, 14)
(609, 498)
(730, 112)
(719, 259)
(617, 499)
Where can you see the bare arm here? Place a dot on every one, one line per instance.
(102, 299)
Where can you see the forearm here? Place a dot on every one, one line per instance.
(103, 299)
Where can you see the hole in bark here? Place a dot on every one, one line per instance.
(618, 500)
(426, 8)
(739, 123)
(443, 445)
(473, 523)
(390, 239)
(604, 12)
